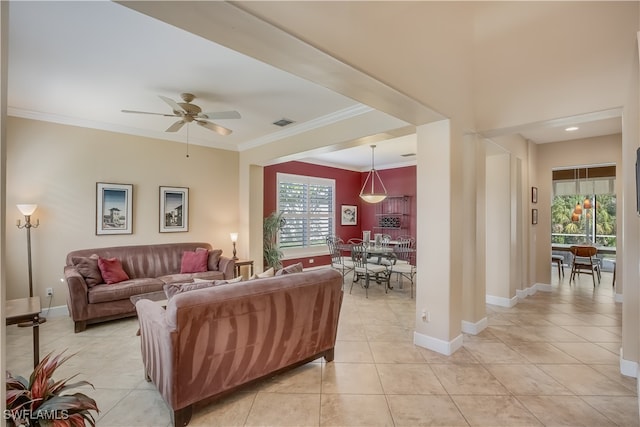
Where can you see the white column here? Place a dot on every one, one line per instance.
(439, 234)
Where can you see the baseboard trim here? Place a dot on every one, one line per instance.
(523, 293)
(543, 287)
(57, 311)
(475, 328)
(443, 347)
(628, 367)
(501, 301)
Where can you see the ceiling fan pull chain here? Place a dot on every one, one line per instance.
(187, 140)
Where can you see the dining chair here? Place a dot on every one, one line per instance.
(355, 241)
(584, 261)
(559, 261)
(363, 269)
(341, 263)
(405, 266)
(613, 282)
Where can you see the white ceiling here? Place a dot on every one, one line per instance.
(81, 63)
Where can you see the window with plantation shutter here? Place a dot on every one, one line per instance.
(307, 204)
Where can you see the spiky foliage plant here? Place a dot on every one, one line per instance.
(41, 400)
(271, 250)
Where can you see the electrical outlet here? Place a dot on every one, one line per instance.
(49, 292)
(311, 260)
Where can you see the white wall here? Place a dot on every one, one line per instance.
(58, 166)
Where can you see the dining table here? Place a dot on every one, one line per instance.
(566, 247)
(378, 252)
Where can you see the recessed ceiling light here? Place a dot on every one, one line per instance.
(571, 128)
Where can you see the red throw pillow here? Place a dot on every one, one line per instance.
(194, 262)
(111, 270)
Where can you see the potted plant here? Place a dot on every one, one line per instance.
(41, 401)
(273, 224)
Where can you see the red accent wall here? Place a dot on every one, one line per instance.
(399, 181)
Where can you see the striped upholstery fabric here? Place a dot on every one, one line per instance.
(209, 341)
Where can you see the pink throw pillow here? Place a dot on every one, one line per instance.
(194, 262)
(111, 270)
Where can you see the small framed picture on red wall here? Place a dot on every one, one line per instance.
(349, 215)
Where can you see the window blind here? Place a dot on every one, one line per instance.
(307, 205)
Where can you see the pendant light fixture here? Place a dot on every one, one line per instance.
(587, 202)
(577, 211)
(372, 196)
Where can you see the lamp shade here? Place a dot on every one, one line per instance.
(26, 209)
(587, 203)
(578, 209)
(234, 237)
(373, 198)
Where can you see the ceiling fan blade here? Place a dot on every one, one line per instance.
(214, 127)
(220, 115)
(146, 112)
(173, 104)
(176, 126)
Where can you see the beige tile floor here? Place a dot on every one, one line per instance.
(552, 360)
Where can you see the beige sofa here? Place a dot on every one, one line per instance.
(209, 342)
(148, 267)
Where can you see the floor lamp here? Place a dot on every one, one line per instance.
(27, 211)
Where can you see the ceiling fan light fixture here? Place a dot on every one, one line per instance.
(373, 196)
(188, 113)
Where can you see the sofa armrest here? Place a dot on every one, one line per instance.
(158, 341)
(227, 266)
(77, 298)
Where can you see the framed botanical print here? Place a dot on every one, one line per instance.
(114, 208)
(349, 215)
(174, 209)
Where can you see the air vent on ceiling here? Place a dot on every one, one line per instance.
(283, 122)
(408, 154)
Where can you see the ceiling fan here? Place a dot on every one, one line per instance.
(188, 113)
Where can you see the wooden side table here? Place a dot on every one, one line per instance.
(26, 310)
(240, 263)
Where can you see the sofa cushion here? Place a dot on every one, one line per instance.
(89, 269)
(170, 289)
(188, 277)
(144, 260)
(234, 280)
(293, 268)
(122, 290)
(267, 273)
(214, 259)
(111, 270)
(194, 262)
